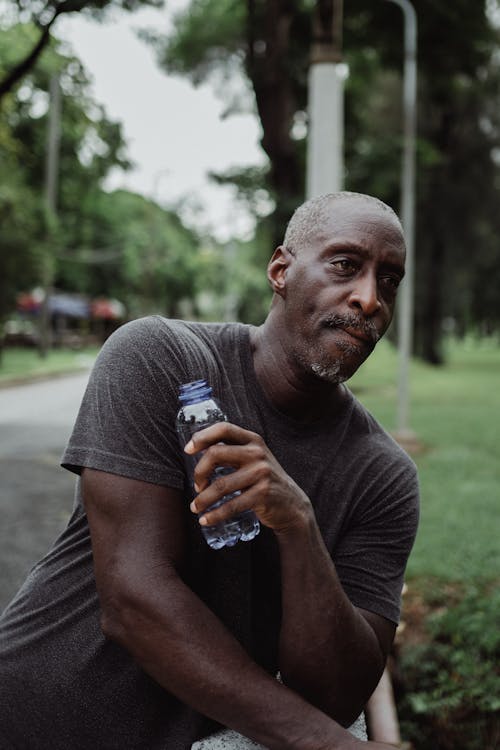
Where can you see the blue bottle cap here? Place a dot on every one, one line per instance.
(197, 390)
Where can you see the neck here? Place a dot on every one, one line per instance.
(292, 391)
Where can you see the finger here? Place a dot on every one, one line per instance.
(224, 432)
(219, 456)
(241, 502)
(224, 484)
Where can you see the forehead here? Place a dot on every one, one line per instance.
(355, 223)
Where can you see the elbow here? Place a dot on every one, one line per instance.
(126, 610)
(133, 611)
(115, 619)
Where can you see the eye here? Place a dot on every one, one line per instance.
(345, 266)
(389, 283)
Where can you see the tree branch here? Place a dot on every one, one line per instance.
(20, 70)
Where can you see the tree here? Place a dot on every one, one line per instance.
(43, 14)
(459, 128)
(114, 244)
(91, 144)
(269, 41)
(142, 254)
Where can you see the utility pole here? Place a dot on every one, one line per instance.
(381, 709)
(51, 186)
(325, 164)
(405, 308)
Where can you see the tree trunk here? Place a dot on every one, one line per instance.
(435, 236)
(431, 318)
(269, 70)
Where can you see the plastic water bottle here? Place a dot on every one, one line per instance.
(199, 410)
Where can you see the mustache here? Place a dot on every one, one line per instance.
(367, 327)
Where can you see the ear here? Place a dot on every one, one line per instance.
(276, 270)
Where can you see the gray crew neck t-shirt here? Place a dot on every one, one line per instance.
(62, 683)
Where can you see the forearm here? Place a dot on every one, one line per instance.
(186, 649)
(328, 652)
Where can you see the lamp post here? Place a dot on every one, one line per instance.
(405, 318)
(50, 191)
(325, 168)
(325, 162)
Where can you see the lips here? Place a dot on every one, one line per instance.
(360, 335)
(364, 334)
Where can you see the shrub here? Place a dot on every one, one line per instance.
(452, 681)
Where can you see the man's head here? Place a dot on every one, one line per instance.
(315, 212)
(335, 280)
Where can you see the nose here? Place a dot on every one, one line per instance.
(364, 295)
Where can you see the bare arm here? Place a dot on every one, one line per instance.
(138, 547)
(330, 652)
(342, 649)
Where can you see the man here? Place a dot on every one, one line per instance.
(152, 640)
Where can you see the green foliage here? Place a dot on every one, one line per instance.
(229, 283)
(452, 681)
(101, 244)
(43, 14)
(199, 48)
(21, 221)
(269, 41)
(31, 238)
(458, 255)
(117, 244)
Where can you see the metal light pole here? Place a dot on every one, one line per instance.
(325, 166)
(405, 318)
(381, 707)
(51, 187)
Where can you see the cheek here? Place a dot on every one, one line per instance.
(309, 294)
(301, 295)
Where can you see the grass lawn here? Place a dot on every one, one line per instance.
(18, 362)
(455, 413)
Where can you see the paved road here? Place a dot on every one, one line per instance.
(36, 495)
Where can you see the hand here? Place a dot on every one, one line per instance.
(264, 486)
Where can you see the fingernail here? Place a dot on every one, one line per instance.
(203, 521)
(189, 447)
(193, 507)
(197, 488)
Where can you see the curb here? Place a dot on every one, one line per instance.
(28, 379)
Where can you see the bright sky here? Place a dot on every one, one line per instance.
(174, 132)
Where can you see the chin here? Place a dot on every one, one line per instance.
(338, 370)
(330, 367)
(329, 373)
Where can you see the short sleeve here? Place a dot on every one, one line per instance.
(373, 551)
(126, 422)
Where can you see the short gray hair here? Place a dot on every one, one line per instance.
(314, 212)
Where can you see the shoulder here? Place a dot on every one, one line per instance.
(157, 336)
(142, 331)
(155, 348)
(383, 475)
(374, 441)
(169, 330)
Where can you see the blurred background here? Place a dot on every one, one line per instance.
(150, 156)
